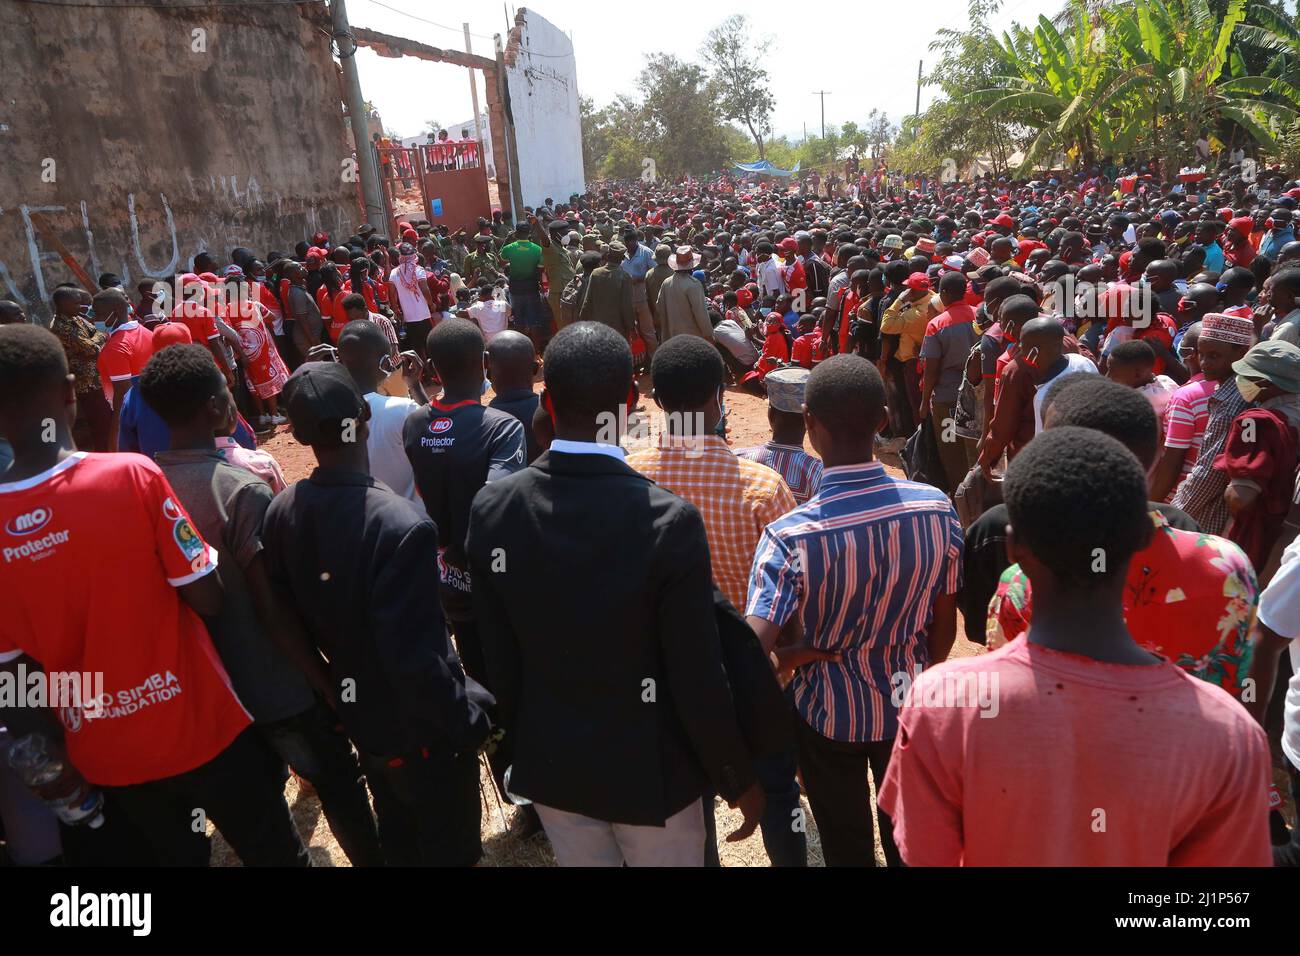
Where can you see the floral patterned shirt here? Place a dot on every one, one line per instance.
(1189, 596)
(81, 343)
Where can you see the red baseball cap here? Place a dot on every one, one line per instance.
(171, 333)
(918, 281)
(1005, 221)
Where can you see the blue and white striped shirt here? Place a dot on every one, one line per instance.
(862, 562)
(801, 471)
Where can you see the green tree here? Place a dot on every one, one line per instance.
(1058, 82)
(878, 134)
(679, 115)
(734, 58)
(951, 129)
(1181, 56)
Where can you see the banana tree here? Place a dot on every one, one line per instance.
(1058, 82)
(1181, 56)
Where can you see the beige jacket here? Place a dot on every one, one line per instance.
(682, 308)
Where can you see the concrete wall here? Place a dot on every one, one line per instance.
(141, 150)
(542, 79)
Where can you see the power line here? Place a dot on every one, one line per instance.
(460, 31)
(440, 26)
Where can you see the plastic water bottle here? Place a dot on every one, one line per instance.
(31, 759)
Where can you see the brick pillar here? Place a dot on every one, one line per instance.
(497, 123)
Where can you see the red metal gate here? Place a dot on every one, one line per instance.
(445, 183)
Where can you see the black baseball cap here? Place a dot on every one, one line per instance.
(320, 397)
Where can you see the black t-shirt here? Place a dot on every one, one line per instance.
(454, 451)
(818, 274)
(522, 404)
(985, 558)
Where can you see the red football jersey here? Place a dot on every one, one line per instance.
(124, 355)
(92, 553)
(198, 319)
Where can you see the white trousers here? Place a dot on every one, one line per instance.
(583, 841)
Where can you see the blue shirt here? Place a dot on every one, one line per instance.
(862, 563)
(801, 471)
(1274, 240)
(1214, 257)
(140, 429)
(637, 265)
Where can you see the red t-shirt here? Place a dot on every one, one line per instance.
(807, 349)
(92, 553)
(367, 290)
(199, 319)
(440, 289)
(1176, 770)
(331, 310)
(848, 311)
(124, 355)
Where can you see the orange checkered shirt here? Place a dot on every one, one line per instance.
(737, 499)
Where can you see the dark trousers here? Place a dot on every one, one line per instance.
(317, 750)
(785, 834)
(835, 779)
(470, 648)
(98, 414)
(241, 790)
(417, 335)
(956, 456)
(428, 807)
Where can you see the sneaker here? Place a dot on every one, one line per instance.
(278, 419)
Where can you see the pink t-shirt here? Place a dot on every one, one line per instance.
(258, 462)
(1185, 416)
(1065, 761)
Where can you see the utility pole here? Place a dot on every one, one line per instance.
(823, 94)
(356, 104)
(919, 64)
(473, 96)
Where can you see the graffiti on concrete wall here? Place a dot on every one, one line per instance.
(142, 240)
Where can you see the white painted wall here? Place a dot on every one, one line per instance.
(543, 86)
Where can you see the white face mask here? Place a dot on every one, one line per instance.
(1249, 390)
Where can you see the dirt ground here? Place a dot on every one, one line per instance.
(747, 425)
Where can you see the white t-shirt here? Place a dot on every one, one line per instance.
(492, 316)
(1158, 391)
(1279, 610)
(1073, 363)
(388, 461)
(415, 308)
(731, 336)
(771, 276)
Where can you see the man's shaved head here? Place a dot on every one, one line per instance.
(511, 346)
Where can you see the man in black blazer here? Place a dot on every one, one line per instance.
(593, 592)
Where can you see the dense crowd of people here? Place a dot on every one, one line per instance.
(1093, 379)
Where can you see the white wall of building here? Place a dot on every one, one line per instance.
(543, 89)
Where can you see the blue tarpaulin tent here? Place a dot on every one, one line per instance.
(765, 168)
